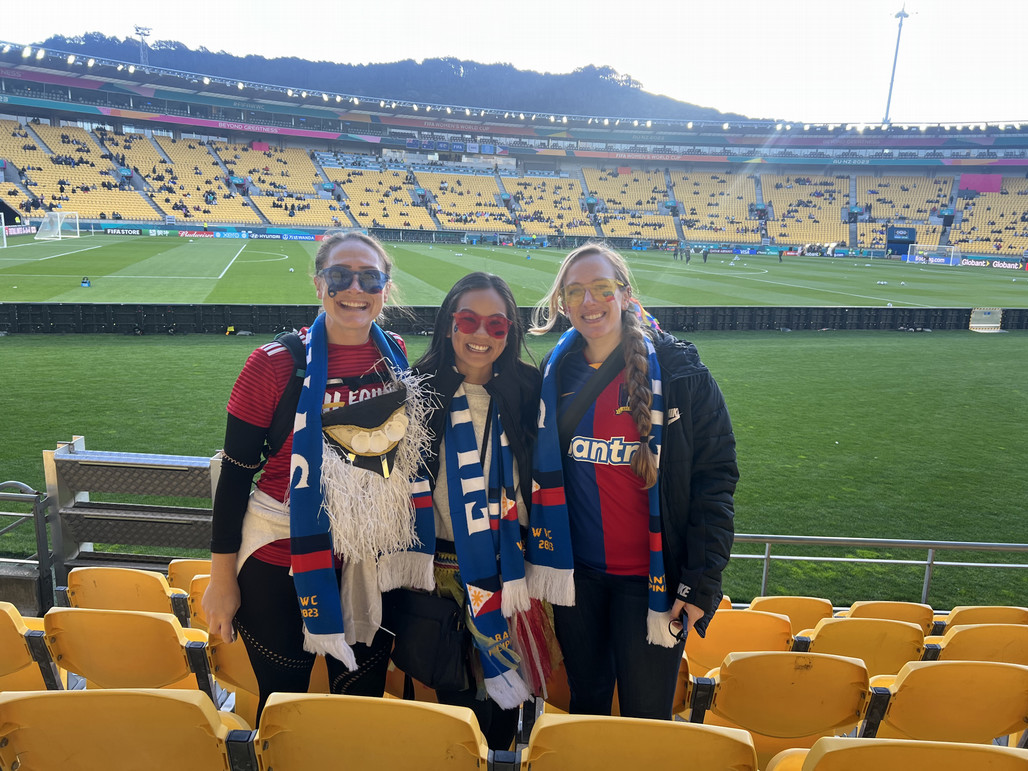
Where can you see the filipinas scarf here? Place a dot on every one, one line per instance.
(321, 520)
(548, 488)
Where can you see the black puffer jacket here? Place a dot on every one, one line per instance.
(516, 395)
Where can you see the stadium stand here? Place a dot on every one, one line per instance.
(903, 198)
(381, 198)
(980, 614)
(116, 588)
(733, 631)
(114, 730)
(201, 194)
(807, 209)
(715, 207)
(995, 223)
(980, 642)
(632, 203)
(914, 612)
(467, 202)
(849, 754)
(549, 206)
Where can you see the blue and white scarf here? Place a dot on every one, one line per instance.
(310, 522)
(548, 488)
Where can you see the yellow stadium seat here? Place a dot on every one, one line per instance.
(126, 589)
(308, 731)
(573, 742)
(25, 661)
(181, 572)
(914, 612)
(980, 642)
(803, 612)
(847, 754)
(128, 649)
(980, 614)
(737, 630)
(962, 701)
(117, 730)
(883, 644)
(784, 699)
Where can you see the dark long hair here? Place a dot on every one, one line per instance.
(440, 349)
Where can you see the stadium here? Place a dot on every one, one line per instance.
(160, 223)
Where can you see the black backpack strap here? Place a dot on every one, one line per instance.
(593, 387)
(285, 411)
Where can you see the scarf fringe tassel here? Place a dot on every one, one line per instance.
(555, 585)
(333, 645)
(413, 569)
(508, 690)
(515, 597)
(657, 632)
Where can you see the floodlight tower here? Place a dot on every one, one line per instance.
(901, 16)
(144, 33)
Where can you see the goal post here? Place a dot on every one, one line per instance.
(3, 231)
(933, 254)
(57, 225)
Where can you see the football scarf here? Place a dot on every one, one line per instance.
(549, 498)
(321, 523)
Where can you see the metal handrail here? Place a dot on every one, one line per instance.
(930, 562)
(43, 560)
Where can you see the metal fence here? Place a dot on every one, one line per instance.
(42, 560)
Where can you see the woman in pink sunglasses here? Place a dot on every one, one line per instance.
(474, 494)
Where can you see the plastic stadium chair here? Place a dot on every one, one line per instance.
(737, 630)
(116, 730)
(980, 642)
(803, 612)
(884, 645)
(182, 571)
(914, 612)
(960, 701)
(980, 614)
(587, 742)
(125, 589)
(784, 699)
(845, 754)
(300, 732)
(25, 661)
(128, 649)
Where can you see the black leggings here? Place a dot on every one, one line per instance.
(270, 624)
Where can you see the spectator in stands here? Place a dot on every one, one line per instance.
(639, 475)
(271, 551)
(473, 364)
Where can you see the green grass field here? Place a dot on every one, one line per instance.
(870, 434)
(149, 270)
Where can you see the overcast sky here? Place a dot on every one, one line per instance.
(801, 60)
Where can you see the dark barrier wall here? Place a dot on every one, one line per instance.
(269, 319)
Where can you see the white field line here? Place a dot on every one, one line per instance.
(113, 275)
(232, 260)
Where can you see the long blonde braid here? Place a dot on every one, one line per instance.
(640, 397)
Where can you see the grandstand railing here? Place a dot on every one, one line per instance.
(42, 560)
(930, 561)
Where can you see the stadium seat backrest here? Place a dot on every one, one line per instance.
(586, 742)
(787, 699)
(849, 754)
(803, 612)
(114, 730)
(985, 642)
(736, 630)
(19, 670)
(197, 586)
(120, 648)
(987, 614)
(884, 645)
(964, 701)
(914, 612)
(181, 572)
(309, 731)
(119, 589)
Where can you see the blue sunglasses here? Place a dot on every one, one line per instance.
(339, 278)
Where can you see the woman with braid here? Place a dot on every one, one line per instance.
(294, 563)
(640, 472)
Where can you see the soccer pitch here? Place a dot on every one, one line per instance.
(179, 270)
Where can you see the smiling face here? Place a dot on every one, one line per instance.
(475, 352)
(596, 314)
(348, 315)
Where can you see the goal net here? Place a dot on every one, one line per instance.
(933, 254)
(57, 225)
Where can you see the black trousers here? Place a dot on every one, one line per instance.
(270, 624)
